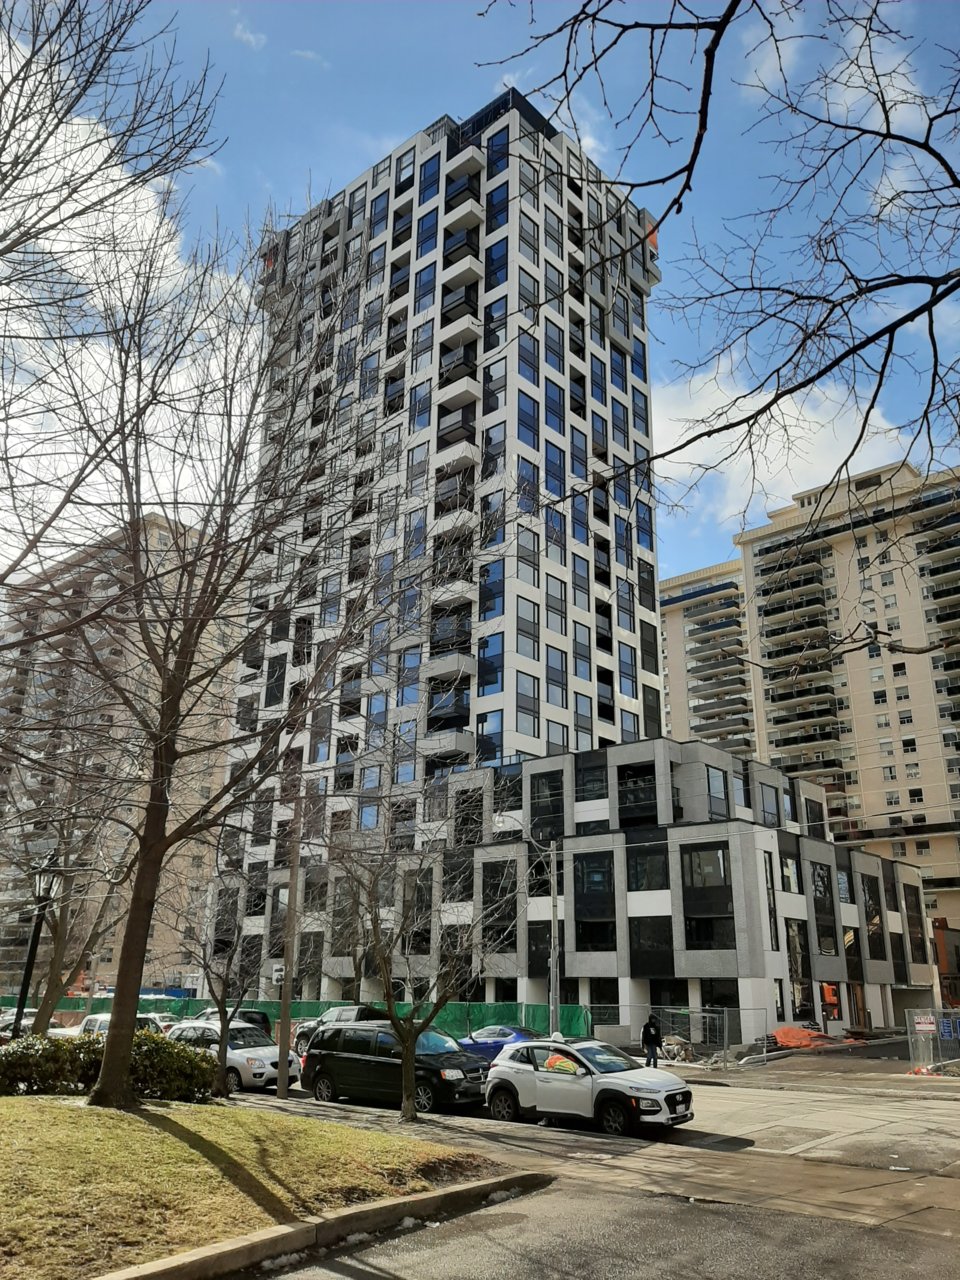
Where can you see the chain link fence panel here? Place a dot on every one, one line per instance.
(933, 1036)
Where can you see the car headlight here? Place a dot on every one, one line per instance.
(453, 1073)
(254, 1062)
(647, 1104)
(636, 1088)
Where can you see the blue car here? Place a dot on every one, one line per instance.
(488, 1041)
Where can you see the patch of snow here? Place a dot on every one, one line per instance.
(358, 1237)
(498, 1197)
(408, 1224)
(284, 1260)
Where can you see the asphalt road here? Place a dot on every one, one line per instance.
(579, 1231)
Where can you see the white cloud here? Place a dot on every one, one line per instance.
(310, 55)
(514, 79)
(772, 49)
(213, 165)
(725, 484)
(255, 40)
(589, 124)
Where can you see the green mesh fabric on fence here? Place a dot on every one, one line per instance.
(457, 1020)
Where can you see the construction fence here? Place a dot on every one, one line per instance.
(709, 1037)
(456, 1019)
(933, 1036)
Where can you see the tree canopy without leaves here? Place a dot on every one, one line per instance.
(836, 293)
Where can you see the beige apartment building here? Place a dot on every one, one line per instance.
(703, 659)
(72, 762)
(831, 650)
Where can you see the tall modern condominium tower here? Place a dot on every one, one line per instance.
(830, 650)
(470, 319)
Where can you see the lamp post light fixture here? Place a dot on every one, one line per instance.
(45, 876)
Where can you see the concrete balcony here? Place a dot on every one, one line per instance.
(460, 453)
(449, 666)
(714, 608)
(448, 742)
(469, 160)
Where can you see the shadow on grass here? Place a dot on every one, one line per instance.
(237, 1174)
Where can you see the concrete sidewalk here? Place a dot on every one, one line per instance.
(834, 1073)
(925, 1203)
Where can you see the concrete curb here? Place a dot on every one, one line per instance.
(326, 1230)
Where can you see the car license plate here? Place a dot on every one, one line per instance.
(680, 1119)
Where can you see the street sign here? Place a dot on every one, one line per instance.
(925, 1023)
(946, 1029)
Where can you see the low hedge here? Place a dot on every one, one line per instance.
(159, 1068)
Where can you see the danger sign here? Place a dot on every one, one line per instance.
(925, 1023)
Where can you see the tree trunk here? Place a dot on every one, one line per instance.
(408, 1109)
(220, 1084)
(53, 991)
(113, 1085)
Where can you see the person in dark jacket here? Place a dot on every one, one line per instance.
(651, 1040)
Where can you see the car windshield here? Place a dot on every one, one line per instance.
(247, 1038)
(606, 1059)
(436, 1042)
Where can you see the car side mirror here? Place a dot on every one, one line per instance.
(582, 1071)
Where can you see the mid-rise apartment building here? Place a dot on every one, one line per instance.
(685, 879)
(481, 393)
(846, 658)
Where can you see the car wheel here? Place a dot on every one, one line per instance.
(614, 1118)
(300, 1045)
(423, 1098)
(323, 1089)
(232, 1080)
(503, 1105)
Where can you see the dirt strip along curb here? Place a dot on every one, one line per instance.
(326, 1230)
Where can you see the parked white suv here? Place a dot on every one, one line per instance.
(582, 1077)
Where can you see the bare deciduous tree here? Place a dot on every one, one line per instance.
(837, 288)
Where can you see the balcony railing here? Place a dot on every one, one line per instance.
(460, 190)
(463, 243)
(458, 303)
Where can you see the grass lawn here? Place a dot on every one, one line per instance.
(85, 1191)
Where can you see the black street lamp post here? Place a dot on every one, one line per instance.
(44, 878)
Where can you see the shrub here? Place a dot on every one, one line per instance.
(162, 1068)
(35, 1064)
(159, 1068)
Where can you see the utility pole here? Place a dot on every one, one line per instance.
(289, 951)
(554, 944)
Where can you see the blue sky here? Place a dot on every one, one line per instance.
(317, 90)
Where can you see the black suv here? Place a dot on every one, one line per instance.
(307, 1029)
(253, 1017)
(362, 1060)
